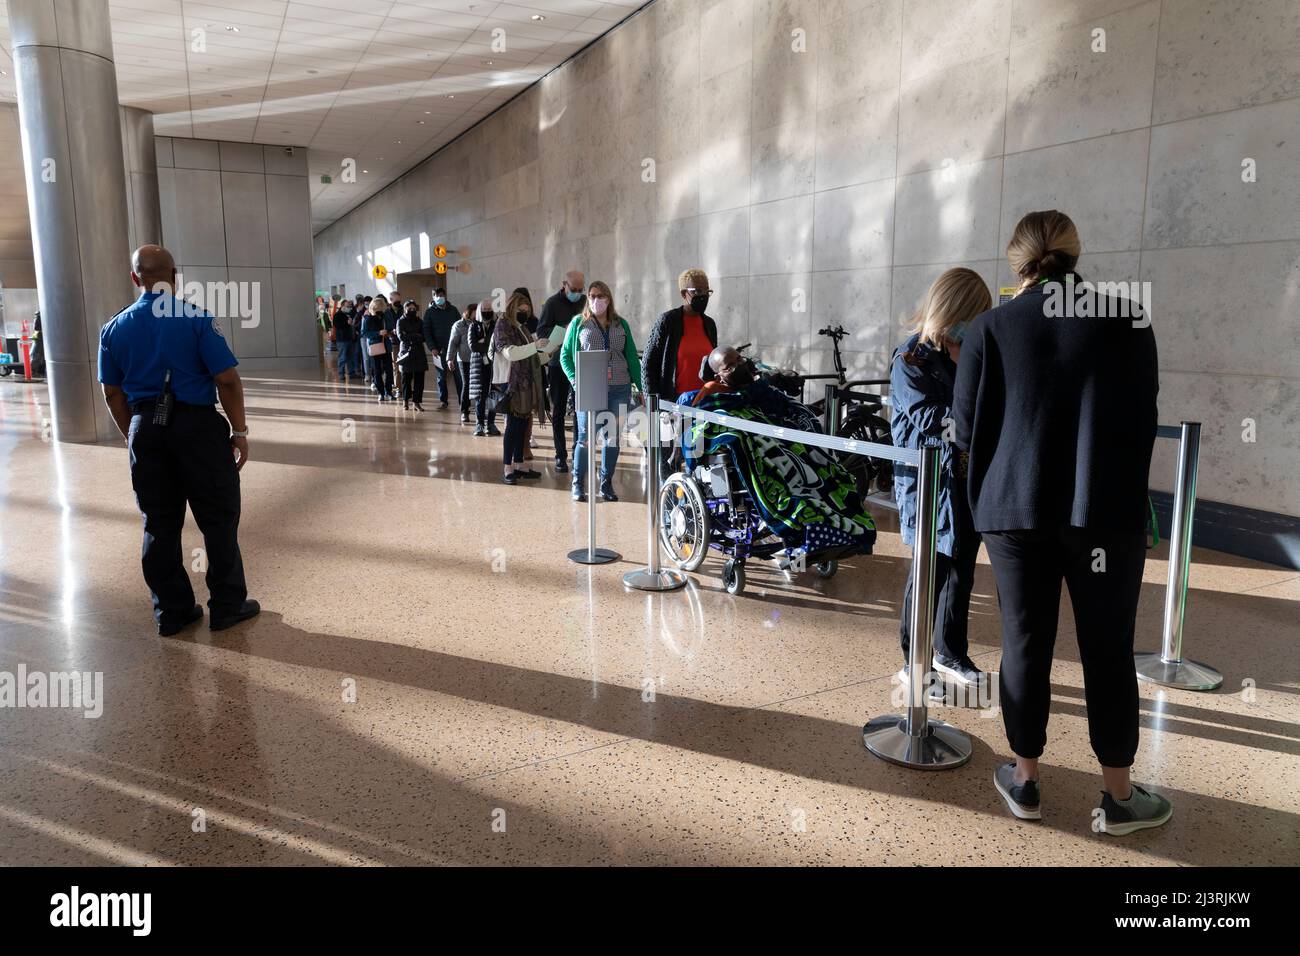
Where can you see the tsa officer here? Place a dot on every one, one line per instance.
(163, 363)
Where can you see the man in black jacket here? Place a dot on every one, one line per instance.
(559, 310)
(439, 317)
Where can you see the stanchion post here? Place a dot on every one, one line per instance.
(831, 409)
(914, 740)
(1168, 667)
(652, 577)
(591, 393)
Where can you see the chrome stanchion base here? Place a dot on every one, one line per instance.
(645, 580)
(599, 556)
(1188, 675)
(942, 747)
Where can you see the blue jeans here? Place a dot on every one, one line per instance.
(349, 358)
(620, 397)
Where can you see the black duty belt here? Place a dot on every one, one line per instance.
(148, 404)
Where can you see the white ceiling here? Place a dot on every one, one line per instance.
(381, 81)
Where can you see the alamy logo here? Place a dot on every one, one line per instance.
(75, 690)
(103, 909)
(230, 300)
(1103, 300)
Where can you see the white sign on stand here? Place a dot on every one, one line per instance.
(590, 398)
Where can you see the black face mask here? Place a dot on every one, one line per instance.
(699, 303)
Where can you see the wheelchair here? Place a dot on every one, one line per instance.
(708, 507)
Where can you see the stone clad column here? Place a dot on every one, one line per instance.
(139, 154)
(76, 195)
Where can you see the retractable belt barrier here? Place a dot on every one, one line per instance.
(914, 739)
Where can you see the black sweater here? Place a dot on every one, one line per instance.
(1058, 414)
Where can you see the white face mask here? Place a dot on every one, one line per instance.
(598, 306)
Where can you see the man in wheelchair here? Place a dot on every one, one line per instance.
(755, 495)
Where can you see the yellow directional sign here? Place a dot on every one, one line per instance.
(440, 251)
(379, 272)
(440, 268)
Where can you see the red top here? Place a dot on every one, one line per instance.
(691, 351)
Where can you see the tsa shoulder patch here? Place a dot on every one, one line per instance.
(216, 327)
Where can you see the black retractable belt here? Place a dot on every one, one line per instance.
(162, 409)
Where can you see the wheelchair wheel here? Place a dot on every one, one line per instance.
(683, 521)
(733, 576)
(826, 569)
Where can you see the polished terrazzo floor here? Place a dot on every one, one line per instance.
(511, 707)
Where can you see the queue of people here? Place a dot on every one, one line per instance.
(1045, 428)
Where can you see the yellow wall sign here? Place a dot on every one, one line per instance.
(440, 251)
(379, 272)
(1007, 292)
(440, 268)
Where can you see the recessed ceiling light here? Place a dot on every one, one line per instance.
(232, 29)
(428, 112)
(419, 122)
(399, 142)
(488, 62)
(365, 170)
(451, 96)
(538, 16)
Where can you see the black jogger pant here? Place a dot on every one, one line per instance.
(1103, 571)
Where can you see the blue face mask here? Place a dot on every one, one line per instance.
(439, 300)
(573, 296)
(958, 332)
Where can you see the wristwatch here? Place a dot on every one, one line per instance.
(243, 434)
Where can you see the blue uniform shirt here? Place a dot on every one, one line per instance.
(160, 332)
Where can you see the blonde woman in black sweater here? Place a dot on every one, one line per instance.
(1055, 401)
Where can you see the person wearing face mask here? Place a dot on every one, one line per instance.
(345, 335)
(439, 317)
(559, 310)
(922, 374)
(459, 351)
(479, 325)
(374, 333)
(679, 342)
(411, 357)
(528, 319)
(599, 328)
(681, 339)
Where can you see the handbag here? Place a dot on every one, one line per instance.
(377, 348)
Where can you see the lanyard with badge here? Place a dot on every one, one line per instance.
(609, 361)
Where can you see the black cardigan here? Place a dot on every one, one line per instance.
(1058, 414)
(659, 364)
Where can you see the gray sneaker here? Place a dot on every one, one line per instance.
(1141, 811)
(1022, 798)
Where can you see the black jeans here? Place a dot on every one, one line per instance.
(1103, 571)
(512, 450)
(953, 579)
(187, 462)
(413, 386)
(559, 389)
(445, 375)
(381, 372)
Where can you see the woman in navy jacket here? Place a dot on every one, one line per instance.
(921, 378)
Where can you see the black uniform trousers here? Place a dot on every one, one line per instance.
(188, 461)
(1103, 571)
